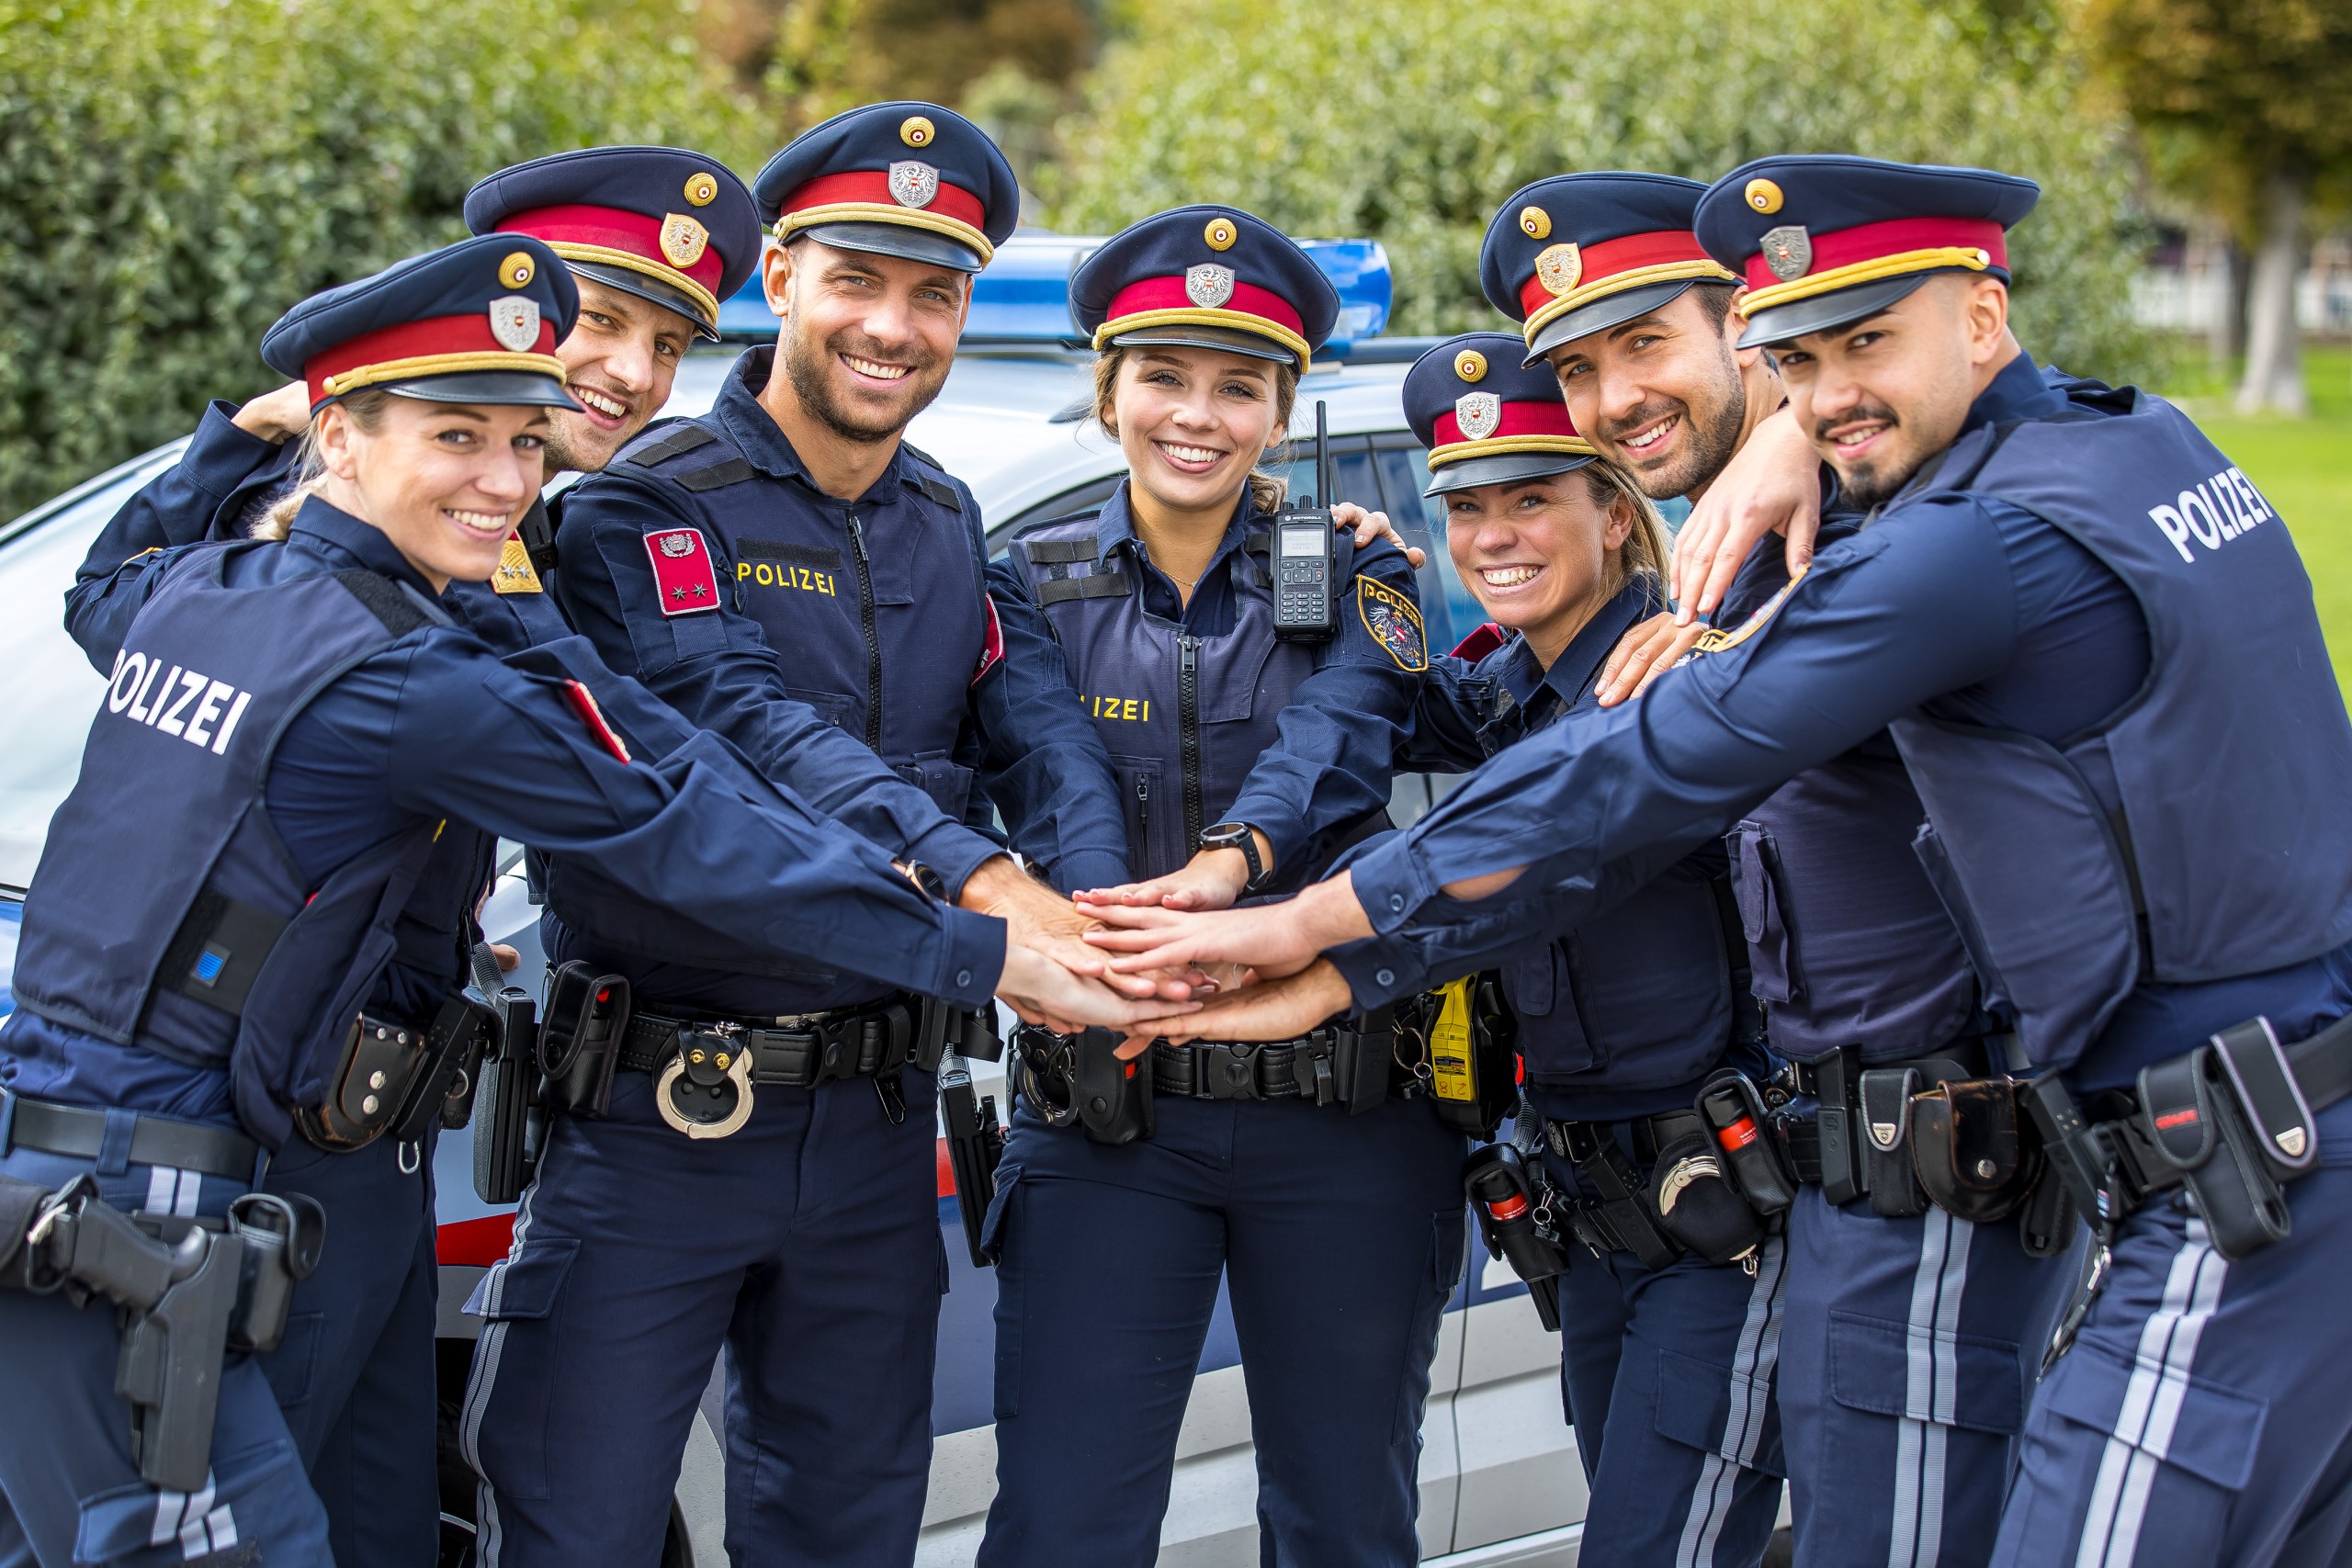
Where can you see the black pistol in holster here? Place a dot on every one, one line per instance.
(1504, 1196)
(1472, 1043)
(975, 1145)
(508, 1121)
(186, 1294)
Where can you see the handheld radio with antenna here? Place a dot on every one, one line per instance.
(1306, 556)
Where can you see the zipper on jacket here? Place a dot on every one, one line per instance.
(1143, 818)
(872, 638)
(1188, 728)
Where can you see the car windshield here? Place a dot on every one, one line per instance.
(52, 691)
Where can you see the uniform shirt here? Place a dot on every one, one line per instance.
(1036, 754)
(1469, 711)
(436, 726)
(1337, 732)
(1967, 607)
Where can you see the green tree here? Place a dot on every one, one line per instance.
(177, 174)
(2245, 103)
(1411, 122)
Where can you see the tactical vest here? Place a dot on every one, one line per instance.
(1642, 998)
(1185, 717)
(879, 613)
(165, 914)
(2199, 833)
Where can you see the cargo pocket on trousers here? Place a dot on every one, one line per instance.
(136, 1522)
(1890, 1368)
(294, 1364)
(2183, 1451)
(516, 1365)
(1718, 1411)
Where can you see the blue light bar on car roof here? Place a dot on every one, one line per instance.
(1024, 296)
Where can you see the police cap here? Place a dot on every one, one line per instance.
(911, 180)
(472, 323)
(1579, 253)
(670, 226)
(1205, 277)
(1485, 417)
(1827, 239)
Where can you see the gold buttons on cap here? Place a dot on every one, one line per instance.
(1221, 233)
(701, 188)
(1764, 196)
(916, 131)
(516, 269)
(1534, 222)
(1470, 365)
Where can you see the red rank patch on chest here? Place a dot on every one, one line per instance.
(683, 575)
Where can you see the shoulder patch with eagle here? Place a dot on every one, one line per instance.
(1395, 622)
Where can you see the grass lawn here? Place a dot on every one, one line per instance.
(2305, 466)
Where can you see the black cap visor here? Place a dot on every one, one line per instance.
(902, 239)
(1786, 323)
(1611, 310)
(1502, 468)
(517, 387)
(1226, 340)
(650, 289)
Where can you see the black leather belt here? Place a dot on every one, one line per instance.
(1803, 1138)
(814, 1048)
(1650, 1134)
(1281, 1069)
(78, 1134)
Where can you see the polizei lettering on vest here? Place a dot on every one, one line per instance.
(143, 692)
(2219, 509)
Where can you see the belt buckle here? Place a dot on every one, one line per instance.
(833, 1049)
(706, 1091)
(1229, 1071)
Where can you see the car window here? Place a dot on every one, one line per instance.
(52, 691)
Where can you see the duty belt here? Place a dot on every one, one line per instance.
(798, 1052)
(1621, 1218)
(1283, 1069)
(1802, 1138)
(79, 1134)
(1650, 1134)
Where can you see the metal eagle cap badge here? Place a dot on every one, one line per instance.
(1787, 252)
(1560, 266)
(1208, 285)
(913, 183)
(514, 322)
(1479, 414)
(684, 239)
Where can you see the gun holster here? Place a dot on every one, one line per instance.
(975, 1145)
(579, 1042)
(187, 1292)
(506, 1115)
(1625, 1218)
(455, 1043)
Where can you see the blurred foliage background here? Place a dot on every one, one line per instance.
(176, 171)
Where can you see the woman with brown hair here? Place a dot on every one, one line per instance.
(1248, 761)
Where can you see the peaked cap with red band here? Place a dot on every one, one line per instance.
(1205, 277)
(472, 323)
(665, 224)
(1579, 253)
(911, 180)
(1825, 240)
(1486, 418)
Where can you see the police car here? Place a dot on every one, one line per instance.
(1499, 1480)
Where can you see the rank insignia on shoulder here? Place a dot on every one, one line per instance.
(682, 574)
(992, 642)
(515, 575)
(1395, 622)
(1717, 639)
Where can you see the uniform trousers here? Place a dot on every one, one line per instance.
(1666, 1375)
(808, 1244)
(2204, 1413)
(1909, 1354)
(73, 1495)
(356, 1374)
(1339, 1238)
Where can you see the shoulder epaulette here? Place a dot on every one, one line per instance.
(940, 491)
(919, 454)
(661, 448)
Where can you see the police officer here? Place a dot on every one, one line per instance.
(290, 727)
(1246, 762)
(1851, 949)
(1670, 1311)
(790, 575)
(654, 237)
(2050, 610)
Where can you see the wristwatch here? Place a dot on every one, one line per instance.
(1237, 836)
